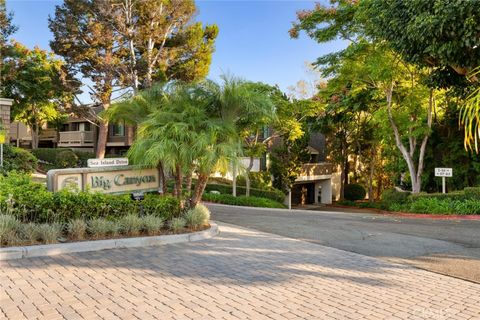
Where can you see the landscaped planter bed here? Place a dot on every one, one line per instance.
(19, 252)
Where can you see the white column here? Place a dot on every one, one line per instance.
(326, 191)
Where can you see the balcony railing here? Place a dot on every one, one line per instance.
(48, 134)
(76, 139)
(313, 171)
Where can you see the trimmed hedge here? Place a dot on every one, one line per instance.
(17, 159)
(354, 192)
(464, 202)
(60, 158)
(272, 194)
(242, 200)
(31, 201)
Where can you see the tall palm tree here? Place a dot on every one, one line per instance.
(470, 115)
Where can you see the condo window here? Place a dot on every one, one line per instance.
(118, 130)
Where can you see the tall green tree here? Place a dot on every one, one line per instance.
(39, 85)
(409, 103)
(90, 48)
(6, 26)
(128, 44)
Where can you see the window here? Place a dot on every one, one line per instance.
(118, 130)
(87, 126)
(74, 126)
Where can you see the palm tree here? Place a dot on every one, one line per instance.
(470, 115)
(185, 136)
(250, 108)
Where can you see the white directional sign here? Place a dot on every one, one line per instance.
(109, 162)
(443, 172)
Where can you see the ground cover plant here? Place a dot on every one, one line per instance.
(29, 214)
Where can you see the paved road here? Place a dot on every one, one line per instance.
(241, 274)
(447, 246)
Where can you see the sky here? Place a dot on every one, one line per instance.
(253, 42)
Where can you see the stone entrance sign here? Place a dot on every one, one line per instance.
(124, 179)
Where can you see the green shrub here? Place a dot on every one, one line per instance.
(456, 195)
(59, 158)
(152, 224)
(17, 159)
(162, 206)
(76, 229)
(472, 192)
(131, 224)
(354, 192)
(29, 232)
(392, 196)
(100, 228)
(33, 202)
(49, 232)
(242, 201)
(83, 157)
(434, 205)
(272, 193)
(66, 159)
(177, 224)
(258, 180)
(198, 216)
(9, 226)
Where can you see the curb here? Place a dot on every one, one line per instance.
(411, 215)
(46, 250)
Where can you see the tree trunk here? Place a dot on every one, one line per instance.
(234, 180)
(415, 172)
(199, 189)
(102, 139)
(247, 177)
(370, 178)
(163, 181)
(178, 181)
(35, 132)
(188, 182)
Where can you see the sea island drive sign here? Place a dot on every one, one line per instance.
(109, 162)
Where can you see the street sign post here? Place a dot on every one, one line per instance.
(444, 173)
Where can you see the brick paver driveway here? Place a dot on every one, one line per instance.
(241, 274)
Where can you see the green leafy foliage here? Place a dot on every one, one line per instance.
(391, 196)
(198, 216)
(354, 192)
(59, 158)
(17, 159)
(258, 180)
(242, 201)
(30, 201)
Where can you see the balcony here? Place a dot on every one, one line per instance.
(76, 139)
(315, 171)
(48, 134)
